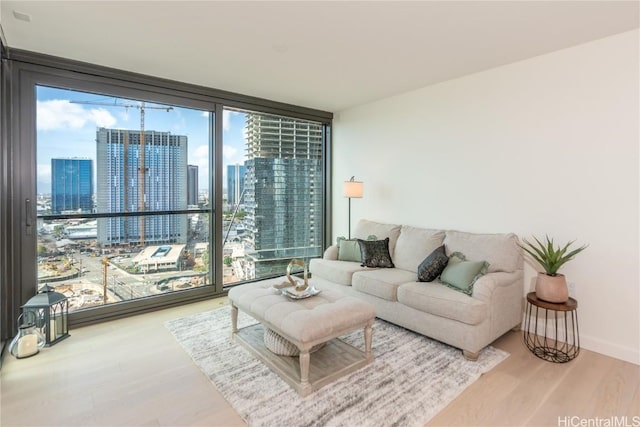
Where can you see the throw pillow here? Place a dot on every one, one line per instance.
(433, 265)
(460, 274)
(375, 253)
(348, 250)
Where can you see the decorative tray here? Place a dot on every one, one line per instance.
(293, 294)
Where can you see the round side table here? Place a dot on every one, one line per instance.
(551, 330)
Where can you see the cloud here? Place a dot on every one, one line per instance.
(226, 119)
(44, 172)
(124, 115)
(202, 153)
(228, 152)
(176, 118)
(62, 114)
(201, 159)
(101, 117)
(43, 182)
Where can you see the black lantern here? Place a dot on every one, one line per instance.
(51, 310)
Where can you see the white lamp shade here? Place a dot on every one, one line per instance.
(353, 189)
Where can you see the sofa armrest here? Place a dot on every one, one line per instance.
(504, 295)
(331, 253)
(485, 286)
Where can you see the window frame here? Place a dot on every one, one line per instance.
(27, 70)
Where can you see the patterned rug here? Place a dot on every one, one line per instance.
(410, 380)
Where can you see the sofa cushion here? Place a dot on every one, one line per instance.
(382, 283)
(334, 270)
(501, 251)
(460, 273)
(433, 265)
(433, 298)
(348, 250)
(366, 228)
(414, 245)
(375, 253)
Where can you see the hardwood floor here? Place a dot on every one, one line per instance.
(131, 372)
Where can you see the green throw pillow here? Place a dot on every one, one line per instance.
(460, 274)
(348, 250)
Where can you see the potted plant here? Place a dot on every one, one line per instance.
(551, 286)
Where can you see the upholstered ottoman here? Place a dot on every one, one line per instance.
(304, 323)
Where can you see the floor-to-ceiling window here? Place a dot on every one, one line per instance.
(131, 193)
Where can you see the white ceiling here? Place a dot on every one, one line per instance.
(326, 55)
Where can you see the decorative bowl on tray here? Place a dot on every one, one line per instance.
(292, 293)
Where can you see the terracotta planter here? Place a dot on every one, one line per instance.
(552, 288)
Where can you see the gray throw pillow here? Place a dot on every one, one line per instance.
(433, 265)
(375, 253)
(460, 274)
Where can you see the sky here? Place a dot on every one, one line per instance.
(68, 129)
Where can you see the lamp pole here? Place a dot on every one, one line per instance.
(349, 218)
(351, 189)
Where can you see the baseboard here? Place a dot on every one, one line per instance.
(628, 354)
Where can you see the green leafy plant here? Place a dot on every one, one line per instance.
(550, 257)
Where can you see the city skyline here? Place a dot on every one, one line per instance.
(67, 123)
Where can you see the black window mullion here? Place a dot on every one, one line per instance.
(123, 214)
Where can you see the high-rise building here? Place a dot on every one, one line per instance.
(235, 183)
(71, 185)
(134, 180)
(284, 192)
(192, 184)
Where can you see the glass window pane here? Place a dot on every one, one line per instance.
(274, 193)
(123, 197)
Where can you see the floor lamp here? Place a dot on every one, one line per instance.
(352, 190)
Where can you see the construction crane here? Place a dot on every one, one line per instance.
(142, 168)
(105, 265)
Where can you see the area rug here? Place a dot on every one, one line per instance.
(410, 380)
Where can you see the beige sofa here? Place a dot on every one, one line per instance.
(468, 322)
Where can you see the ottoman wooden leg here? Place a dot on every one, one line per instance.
(368, 334)
(234, 319)
(304, 368)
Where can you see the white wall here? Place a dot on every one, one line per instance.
(547, 145)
